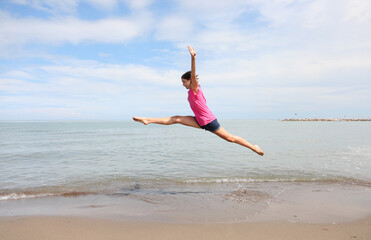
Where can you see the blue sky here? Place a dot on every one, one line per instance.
(113, 59)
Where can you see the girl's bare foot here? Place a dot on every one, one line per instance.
(141, 119)
(258, 150)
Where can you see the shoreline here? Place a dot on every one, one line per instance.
(291, 211)
(319, 203)
(326, 120)
(71, 228)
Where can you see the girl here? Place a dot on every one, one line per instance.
(203, 118)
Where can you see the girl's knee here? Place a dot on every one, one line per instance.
(175, 119)
(231, 138)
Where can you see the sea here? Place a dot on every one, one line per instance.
(155, 163)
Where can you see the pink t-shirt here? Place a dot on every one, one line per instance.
(202, 113)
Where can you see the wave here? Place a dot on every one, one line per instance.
(26, 195)
(16, 196)
(341, 180)
(160, 185)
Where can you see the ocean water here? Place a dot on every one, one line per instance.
(66, 158)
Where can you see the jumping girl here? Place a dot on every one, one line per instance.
(203, 118)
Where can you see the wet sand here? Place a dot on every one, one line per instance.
(263, 211)
(210, 203)
(69, 228)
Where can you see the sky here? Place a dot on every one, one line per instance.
(114, 59)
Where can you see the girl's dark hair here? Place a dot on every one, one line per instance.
(187, 75)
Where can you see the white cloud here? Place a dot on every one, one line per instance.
(70, 6)
(53, 113)
(138, 4)
(174, 28)
(53, 6)
(227, 26)
(129, 74)
(217, 10)
(298, 44)
(295, 68)
(18, 74)
(105, 4)
(70, 30)
(87, 89)
(358, 11)
(275, 55)
(283, 102)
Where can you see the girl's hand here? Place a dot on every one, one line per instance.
(192, 51)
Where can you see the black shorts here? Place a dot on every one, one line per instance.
(212, 126)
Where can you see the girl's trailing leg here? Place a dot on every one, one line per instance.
(221, 132)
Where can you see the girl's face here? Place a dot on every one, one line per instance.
(186, 83)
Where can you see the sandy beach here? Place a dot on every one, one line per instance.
(63, 228)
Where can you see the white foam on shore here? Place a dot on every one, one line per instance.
(16, 196)
(341, 180)
(242, 180)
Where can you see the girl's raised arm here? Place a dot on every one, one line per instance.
(194, 83)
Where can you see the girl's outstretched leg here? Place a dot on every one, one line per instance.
(239, 140)
(184, 120)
